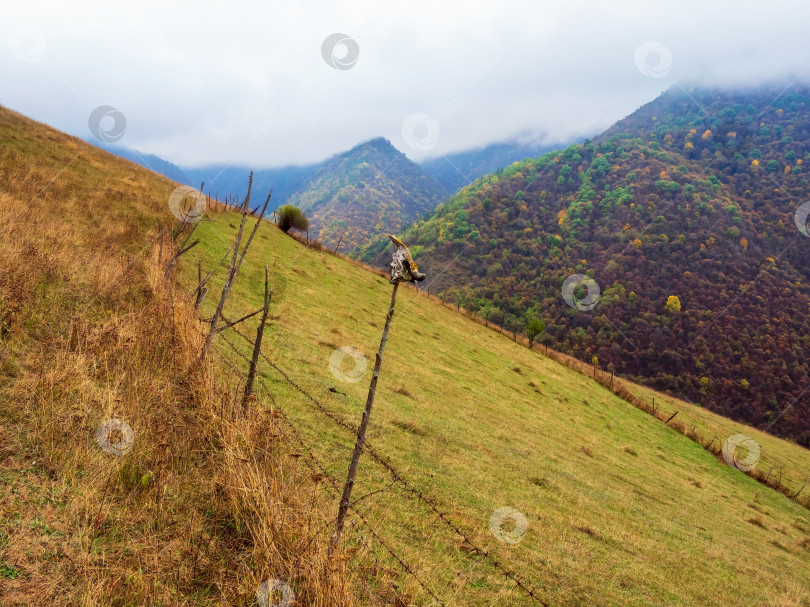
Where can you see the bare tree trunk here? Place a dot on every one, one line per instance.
(361, 432)
(257, 347)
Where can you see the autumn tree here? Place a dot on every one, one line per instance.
(291, 217)
(673, 303)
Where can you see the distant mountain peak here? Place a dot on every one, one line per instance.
(369, 190)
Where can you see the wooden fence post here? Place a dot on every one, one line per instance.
(257, 347)
(361, 432)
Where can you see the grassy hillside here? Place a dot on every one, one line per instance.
(90, 331)
(620, 509)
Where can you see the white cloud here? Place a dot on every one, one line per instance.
(246, 83)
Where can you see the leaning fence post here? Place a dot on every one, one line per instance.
(403, 269)
(257, 347)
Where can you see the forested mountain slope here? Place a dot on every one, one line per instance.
(684, 215)
(372, 188)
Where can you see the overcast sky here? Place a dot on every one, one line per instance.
(253, 83)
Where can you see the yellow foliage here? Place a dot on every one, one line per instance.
(755, 164)
(744, 243)
(673, 304)
(626, 226)
(707, 134)
(637, 243)
(787, 169)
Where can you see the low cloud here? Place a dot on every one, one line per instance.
(250, 85)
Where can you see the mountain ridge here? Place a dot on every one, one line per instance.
(371, 188)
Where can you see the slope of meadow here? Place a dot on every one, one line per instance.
(620, 509)
(176, 514)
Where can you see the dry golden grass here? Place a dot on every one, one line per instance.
(202, 509)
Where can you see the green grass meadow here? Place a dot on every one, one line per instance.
(620, 509)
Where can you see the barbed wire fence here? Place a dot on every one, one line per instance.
(294, 436)
(398, 477)
(311, 460)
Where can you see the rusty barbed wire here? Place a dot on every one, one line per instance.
(375, 455)
(317, 467)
